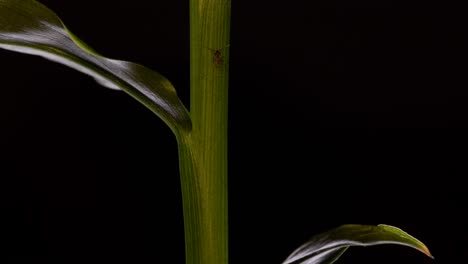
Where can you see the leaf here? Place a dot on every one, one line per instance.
(29, 27)
(327, 247)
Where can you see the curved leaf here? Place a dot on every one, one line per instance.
(27, 26)
(327, 247)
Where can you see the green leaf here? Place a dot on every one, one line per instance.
(327, 247)
(27, 26)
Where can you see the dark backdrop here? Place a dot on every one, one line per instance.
(340, 113)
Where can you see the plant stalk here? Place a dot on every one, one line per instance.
(203, 151)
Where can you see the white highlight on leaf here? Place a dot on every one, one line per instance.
(55, 58)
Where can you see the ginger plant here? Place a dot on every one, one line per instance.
(27, 26)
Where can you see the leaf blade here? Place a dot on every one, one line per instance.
(29, 27)
(329, 246)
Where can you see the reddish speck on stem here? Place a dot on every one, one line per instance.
(218, 59)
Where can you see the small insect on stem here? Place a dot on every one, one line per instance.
(218, 59)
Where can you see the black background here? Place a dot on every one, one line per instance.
(340, 112)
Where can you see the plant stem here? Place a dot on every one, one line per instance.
(203, 152)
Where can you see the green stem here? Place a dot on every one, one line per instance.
(203, 151)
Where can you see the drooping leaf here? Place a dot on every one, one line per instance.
(327, 247)
(27, 26)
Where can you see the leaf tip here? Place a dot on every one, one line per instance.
(417, 244)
